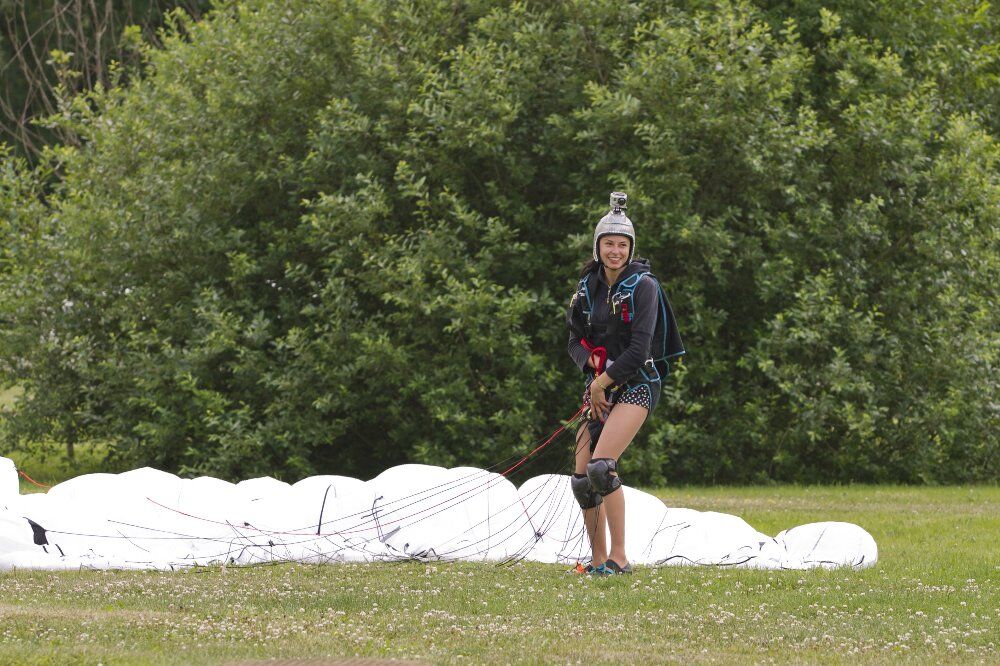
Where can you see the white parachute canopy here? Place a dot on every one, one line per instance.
(149, 519)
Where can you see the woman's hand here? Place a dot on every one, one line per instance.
(599, 404)
(593, 361)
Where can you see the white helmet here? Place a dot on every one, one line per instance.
(615, 223)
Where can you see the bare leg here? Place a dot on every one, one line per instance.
(595, 520)
(619, 430)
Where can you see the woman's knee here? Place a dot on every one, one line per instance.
(603, 475)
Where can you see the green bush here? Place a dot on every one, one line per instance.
(337, 236)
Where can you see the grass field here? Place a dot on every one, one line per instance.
(933, 597)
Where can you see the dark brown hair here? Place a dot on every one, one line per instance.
(589, 266)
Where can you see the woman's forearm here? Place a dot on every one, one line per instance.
(578, 352)
(604, 381)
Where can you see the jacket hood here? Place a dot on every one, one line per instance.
(636, 266)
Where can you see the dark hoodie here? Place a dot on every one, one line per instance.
(645, 299)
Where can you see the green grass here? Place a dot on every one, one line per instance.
(932, 597)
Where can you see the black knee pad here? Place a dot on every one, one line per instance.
(584, 492)
(599, 471)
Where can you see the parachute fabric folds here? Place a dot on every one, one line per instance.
(828, 545)
(150, 519)
(8, 482)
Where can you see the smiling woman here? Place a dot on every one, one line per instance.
(618, 317)
(614, 252)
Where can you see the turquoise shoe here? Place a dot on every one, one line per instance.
(611, 568)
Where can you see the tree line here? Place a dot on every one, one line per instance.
(333, 236)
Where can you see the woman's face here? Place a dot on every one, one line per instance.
(613, 251)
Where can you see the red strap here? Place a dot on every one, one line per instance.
(31, 480)
(600, 352)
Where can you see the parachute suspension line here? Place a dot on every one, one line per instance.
(591, 535)
(30, 480)
(383, 512)
(444, 555)
(555, 510)
(453, 501)
(490, 482)
(318, 535)
(454, 484)
(457, 499)
(361, 526)
(447, 555)
(574, 420)
(537, 531)
(362, 542)
(541, 446)
(522, 552)
(366, 512)
(515, 525)
(518, 555)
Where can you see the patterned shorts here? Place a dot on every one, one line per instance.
(637, 395)
(643, 395)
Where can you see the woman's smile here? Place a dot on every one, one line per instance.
(614, 249)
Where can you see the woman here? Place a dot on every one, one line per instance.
(619, 314)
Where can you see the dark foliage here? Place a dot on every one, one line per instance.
(334, 236)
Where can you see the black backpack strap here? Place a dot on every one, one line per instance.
(667, 344)
(586, 288)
